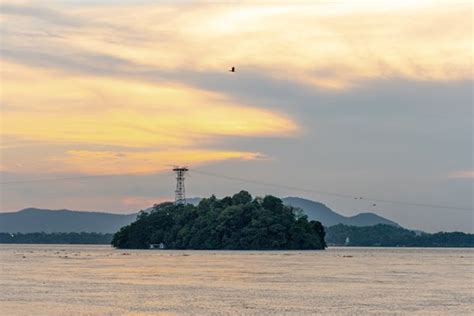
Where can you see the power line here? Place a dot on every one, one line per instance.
(263, 183)
(336, 194)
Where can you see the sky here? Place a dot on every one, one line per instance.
(365, 98)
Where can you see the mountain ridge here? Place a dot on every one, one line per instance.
(31, 220)
(319, 211)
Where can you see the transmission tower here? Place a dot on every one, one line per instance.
(180, 196)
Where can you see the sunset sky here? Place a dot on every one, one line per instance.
(370, 98)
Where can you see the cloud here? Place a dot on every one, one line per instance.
(41, 13)
(86, 115)
(125, 161)
(94, 162)
(463, 174)
(124, 112)
(337, 46)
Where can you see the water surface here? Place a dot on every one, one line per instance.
(99, 280)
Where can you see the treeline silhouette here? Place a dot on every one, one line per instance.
(55, 238)
(237, 222)
(393, 236)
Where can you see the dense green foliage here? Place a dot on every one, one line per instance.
(237, 222)
(55, 238)
(392, 236)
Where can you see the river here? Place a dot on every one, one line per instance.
(99, 280)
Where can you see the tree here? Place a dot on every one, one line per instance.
(243, 197)
(236, 222)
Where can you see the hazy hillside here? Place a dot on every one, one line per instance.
(38, 220)
(322, 213)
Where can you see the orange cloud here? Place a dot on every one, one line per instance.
(107, 162)
(54, 109)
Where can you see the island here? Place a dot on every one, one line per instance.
(239, 222)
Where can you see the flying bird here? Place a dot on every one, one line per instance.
(232, 69)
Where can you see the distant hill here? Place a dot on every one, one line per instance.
(320, 212)
(32, 220)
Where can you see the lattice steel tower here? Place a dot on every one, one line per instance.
(180, 196)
